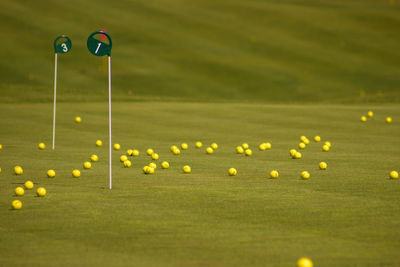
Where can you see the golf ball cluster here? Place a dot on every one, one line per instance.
(370, 115)
(20, 191)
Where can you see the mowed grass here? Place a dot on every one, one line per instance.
(346, 215)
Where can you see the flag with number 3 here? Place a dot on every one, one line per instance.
(62, 44)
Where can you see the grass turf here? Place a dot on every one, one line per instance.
(346, 215)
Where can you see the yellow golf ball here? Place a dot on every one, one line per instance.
(363, 119)
(305, 175)
(41, 146)
(274, 174)
(186, 169)
(198, 144)
(149, 151)
(99, 143)
(151, 170)
(370, 113)
(153, 165)
(328, 144)
(18, 170)
(323, 165)
(248, 152)
(239, 150)
(94, 158)
(1, 146)
(214, 146)
(78, 119)
(87, 165)
(388, 120)
(165, 165)
(325, 148)
(394, 175)
(129, 152)
(302, 145)
(76, 173)
(135, 152)
(127, 163)
(302, 138)
(176, 151)
(184, 146)
(155, 156)
(41, 192)
(317, 138)
(29, 185)
(172, 148)
(117, 146)
(19, 191)
(245, 146)
(304, 262)
(146, 169)
(306, 141)
(297, 155)
(268, 145)
(262, 147)
(16, 204)
(292, 152)
(209, 150)
(51, 173)
(232, 171)
(122, 158)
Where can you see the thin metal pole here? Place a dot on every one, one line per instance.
(55, 100)
(109, 120)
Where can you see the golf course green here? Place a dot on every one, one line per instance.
(347, 214)
(229, 72)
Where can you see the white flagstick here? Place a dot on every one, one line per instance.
(100, 48)
(109, 120)
(59, 47)
(55, 100)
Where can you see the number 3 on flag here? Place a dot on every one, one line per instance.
(62, 44)
(97, 47)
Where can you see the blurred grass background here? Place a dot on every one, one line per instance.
(173, 50)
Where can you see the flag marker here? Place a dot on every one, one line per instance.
(62, 45)
(99, 44)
